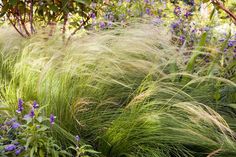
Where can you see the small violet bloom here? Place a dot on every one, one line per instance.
(77, 138)
(31, 114)
(10, 147)
(102, 25)
(148, 11)
(18, 151)
(191, 2)
(231, 43)
(177, 11)
(15, 125)
(10, 121)
(20, 106)
(52, 119)
(187, 14)
(109, 23)
(182, 39)
(26, 117)
(35, 105)
(93, 15)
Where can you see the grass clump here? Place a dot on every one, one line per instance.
(127, 92)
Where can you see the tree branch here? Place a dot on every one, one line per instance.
(221, 6)
(8, 17)
(81, 25)
(31, 16)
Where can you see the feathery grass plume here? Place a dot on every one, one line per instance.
(102, 68)
(10, 50)
(151, 125)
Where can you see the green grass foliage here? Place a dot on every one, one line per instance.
(128, 92)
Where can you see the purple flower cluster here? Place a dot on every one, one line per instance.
(11, 128)
(12, 147)
(231, 45)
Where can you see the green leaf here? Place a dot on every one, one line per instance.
(28, 119)
(54, 8)
(13, 2)
(43, 128)
(202, 41)
(232, 106)
(40, 119)
(41, 153)
(32, 152)
(212, 13)
(29, 140)
(196, 53)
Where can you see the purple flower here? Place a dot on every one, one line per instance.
(102, 25)
(10, 147)
(109, 23)
(221, 40)
(77, 138)
(175, 25)
(93, 15)
(187, 14)
(27, 117)
(31, 114)
(231, 43)
(149, 2)
(128, 1)
(191, 2)
(18, 151)
(52, 119)
(10, 121)
(15, 125)
(182, 38)
(177, 11)
(156, 21)
(20, 106)
(35, 105)
(206, 29)
(148, 11)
